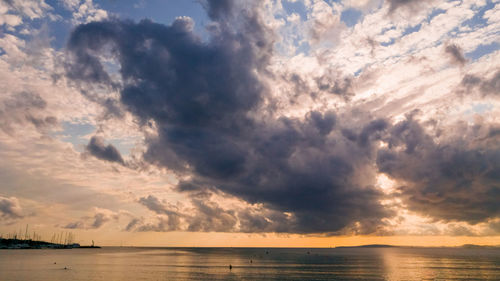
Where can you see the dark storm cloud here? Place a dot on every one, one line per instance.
(485, 86)
(450, 180)
(314, 174)
(201, 96)
(10, 208)
(456, 54)
(98, 149)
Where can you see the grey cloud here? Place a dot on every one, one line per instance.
(448, 180)
(155, 205)
(132, 224)
(26, 100)
(338, 86)
(218, 8)
(211, 217)
(163, 224)
(265, 220)
(300, 86)
(201, 97)
(98, 149)
(100, 217)
(456, 54)
(206, 216)
(408, 4)
(111, 107)
(10, 208)
(42, 122)
(459, 230)
(494, 227)
(25, 108)
(99, 220)
(75, 225)
(169, 219)
(485, 86)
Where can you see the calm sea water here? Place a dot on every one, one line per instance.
(250, 264)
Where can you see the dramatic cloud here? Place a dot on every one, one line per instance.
(201, 97)
(209, 115)
(454, 179)
(10, 208)
(98, 149)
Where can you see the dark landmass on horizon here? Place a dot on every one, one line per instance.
(372, 246)
(468, 246)
(13, 243)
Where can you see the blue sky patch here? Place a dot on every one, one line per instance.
(411, 29)
(483, 50)
(74, 133)
(351, 16)
(295, 7)
(477, 20)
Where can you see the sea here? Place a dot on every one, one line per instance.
(133, 263)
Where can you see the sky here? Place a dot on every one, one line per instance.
(285, 123)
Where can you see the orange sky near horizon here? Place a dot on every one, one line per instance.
(237, 123)
(213, 239)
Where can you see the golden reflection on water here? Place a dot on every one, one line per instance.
(436, 264)
(267, 264)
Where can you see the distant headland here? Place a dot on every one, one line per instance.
(26, 240)
(14, 243)
(466, 246)
(370, 246)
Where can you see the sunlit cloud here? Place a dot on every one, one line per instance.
(288, 117)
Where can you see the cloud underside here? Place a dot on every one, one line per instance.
(10, 209)
(99, 218)
(210, 107)
(98, 149)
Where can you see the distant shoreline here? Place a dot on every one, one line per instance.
(368, 246)
(10, 244)
(13, 244)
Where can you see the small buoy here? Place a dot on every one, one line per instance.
(230, 267)
(55, 262)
